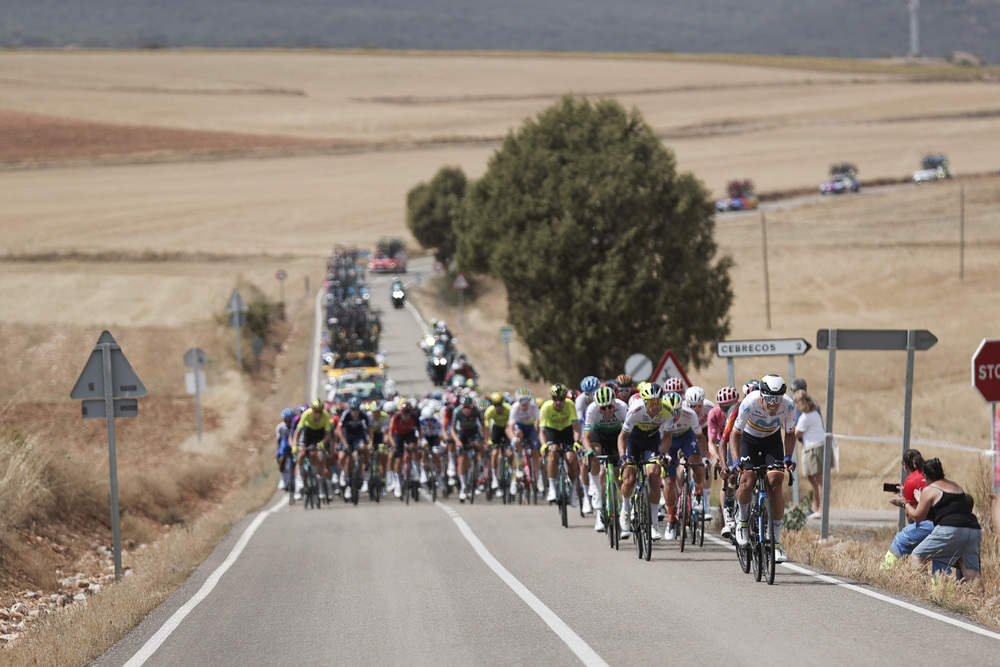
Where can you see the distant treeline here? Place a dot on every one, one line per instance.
(837, 28)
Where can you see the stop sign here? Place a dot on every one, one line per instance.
(986, 370)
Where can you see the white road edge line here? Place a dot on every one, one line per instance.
(154, 642)
(878, 596)
(582, 649)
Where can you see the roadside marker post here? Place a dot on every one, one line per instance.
(506, 337)
(910, 340)
(766, 348)
(108, 388)
(237, 309)
(195, 359)
(461, 284)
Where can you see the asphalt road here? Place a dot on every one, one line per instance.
(448, 583)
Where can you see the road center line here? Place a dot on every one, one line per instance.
(582, 649)
(154, 642)
(878, 596)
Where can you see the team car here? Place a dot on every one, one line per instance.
(843, 178)
(741, 197)
(933, 168)
(364, 386)
(385, 263)
(335, 365)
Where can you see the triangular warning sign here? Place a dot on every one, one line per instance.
(460, 282)
(124, 382)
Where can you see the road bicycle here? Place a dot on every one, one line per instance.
(471, 472)
(375, 482)
(563, 487)
(687, 515)
(758, 553)
(610, 503)
(504, 477)
(639, 516)
(355, 478)
(310, 481)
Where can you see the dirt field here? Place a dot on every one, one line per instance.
(141, 188)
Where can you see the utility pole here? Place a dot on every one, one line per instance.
(914, 29)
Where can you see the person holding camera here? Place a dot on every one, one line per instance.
(914, 533)
(956, 536)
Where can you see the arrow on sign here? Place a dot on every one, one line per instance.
(125, 383)
(236, 304)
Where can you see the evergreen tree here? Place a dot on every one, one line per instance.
(604, 249)
(431, 209)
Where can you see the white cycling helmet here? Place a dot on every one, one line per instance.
(694, 396)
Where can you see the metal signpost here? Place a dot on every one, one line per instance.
(195, 359)
(766, 348)
(108, 387)
(461, 284)
(910, 340)
(986, 380)
(506, 337)
(237, 309)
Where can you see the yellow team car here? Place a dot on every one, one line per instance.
(361, 363)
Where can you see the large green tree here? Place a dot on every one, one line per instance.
(431, 209)
(605, 250)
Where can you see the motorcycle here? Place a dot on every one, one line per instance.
(437, 364)
(398, 295)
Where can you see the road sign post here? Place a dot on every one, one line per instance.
(986, 380)
(766, 348)
(109, 376)
(237, 309)
(832, 340)
(281, 275)
(195, 359)
(506, 337)
(461, 284)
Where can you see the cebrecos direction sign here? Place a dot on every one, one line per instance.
(760, 348)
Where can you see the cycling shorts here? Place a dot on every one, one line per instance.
(562, 437)
(499, 436)
(403, 439)
(530, 435)
(352, 445)
(768, 450)
(645, 449)
(378, 436)
(608, 443)
(433, 442)
(686, 444)
(311, 436)
(469, 438)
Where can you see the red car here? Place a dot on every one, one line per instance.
(385, 264)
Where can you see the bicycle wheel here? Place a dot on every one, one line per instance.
(562, 496)
(407, 479)
(635, 527)
(767, 541)
(645, 524)
(432, 483)
(356, 483)
(613, 506)
(684, 513)
(755, 545)
(699, 528)
(743, 553)
(470, 482)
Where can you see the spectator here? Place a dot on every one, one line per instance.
(957, 534)
(914, 533)
(809, 430)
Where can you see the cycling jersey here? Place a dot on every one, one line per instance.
(754, 420)
(466, 422)
(430, 427)
(523, 413)
(549, 417)
(703, 411)
(639, 422)
(583, 401)
(314, 428)
(716, 422)
(401, 424)
(497, 416)
(683, 420)
(598, 421)
(355, 427)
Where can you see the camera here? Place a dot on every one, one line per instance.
(890, 488)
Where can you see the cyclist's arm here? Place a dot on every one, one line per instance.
(790, 442)
(702, 443)
(576, 430)
(735, 439)
(665, 442)
(622, 444)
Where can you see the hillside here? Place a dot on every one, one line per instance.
(838, 28)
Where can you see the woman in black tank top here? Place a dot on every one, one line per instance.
(957, 534)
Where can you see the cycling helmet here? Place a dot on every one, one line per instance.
(316, 404)
(466, 400)
(589, 384)
(650, 391)
(572, 394)
(523, 394)
(558, 391)
(428, 412)
(624, 380)
(389, 407)
(672, 400)
(496, 398)
(287, 413)
(604, 396)
(694, 396)
(483, 403)
(773, 385)
(751, 385)
(727, 396)
(354, 403)
(673, 384)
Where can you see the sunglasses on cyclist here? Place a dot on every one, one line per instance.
(606, 407)
(772, 400)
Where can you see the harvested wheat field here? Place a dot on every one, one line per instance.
(141, 188)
